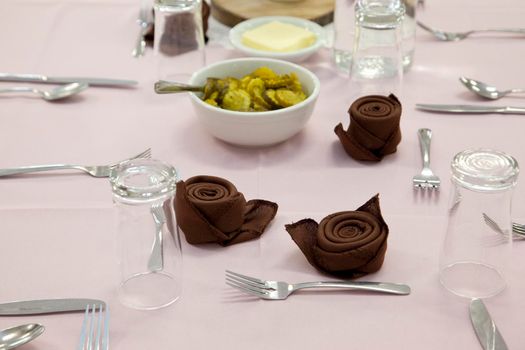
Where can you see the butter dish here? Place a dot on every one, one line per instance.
(257, 37)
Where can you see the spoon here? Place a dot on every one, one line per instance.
(170, 87)
(16, 336)
(485, 90)
(57, 93)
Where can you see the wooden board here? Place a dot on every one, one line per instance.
(231, 12)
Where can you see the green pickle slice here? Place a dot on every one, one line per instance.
(261, 90)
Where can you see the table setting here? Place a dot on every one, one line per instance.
(207, 190)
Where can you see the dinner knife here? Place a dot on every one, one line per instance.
(472, 109)
(36, 78)
(46, 306)
(486, 330)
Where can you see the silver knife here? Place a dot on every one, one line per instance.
(486, 330)
(46, 306)
(37, 78)
(472, 109)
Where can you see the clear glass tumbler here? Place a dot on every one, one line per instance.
(478, 241)
(179, 39)
(377, 63)
(148, 239)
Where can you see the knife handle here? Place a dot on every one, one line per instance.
(514, 110)
(22, 77)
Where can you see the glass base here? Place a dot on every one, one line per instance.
(472, 279)
(149, 291)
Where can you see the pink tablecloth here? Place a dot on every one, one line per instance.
(57, 232)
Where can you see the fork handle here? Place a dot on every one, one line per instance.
(425, 135)
(502, 30)
(37, 168)
(381, 287)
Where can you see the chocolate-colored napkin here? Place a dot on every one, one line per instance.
(210, 209)
(345, 244)
(205, 17)
(374, 127)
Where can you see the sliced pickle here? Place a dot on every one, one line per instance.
(237, 100)
(262, 90)
(287, 98)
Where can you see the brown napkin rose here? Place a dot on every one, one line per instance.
(374, 128)
(345, 244)
(210, 209)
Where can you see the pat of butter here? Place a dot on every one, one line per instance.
(278, 37)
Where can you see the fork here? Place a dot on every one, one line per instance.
(93, 170)
(278, 290)
(94, 333)
(517, 229)
(456, 36)
(156, 258)
(145, 22)
(426, 179)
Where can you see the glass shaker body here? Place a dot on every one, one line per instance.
(478, 242)
(148, 241)
(377, 64)
(344, 27)
(408, 30)
(179, 39)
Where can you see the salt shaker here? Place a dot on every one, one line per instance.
(179, 39)
(344, 22)
(478, 241)
(377, 64)
(150, 255)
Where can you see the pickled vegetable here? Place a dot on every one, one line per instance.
(261, 90)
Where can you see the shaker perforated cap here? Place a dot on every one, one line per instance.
(485, 170)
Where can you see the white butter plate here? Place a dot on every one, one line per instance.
(293, 56)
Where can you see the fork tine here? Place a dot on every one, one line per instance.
(83, 330)
(240, 276)
(142, 155)
(99, 326)
(518, 228)
(246, 289)
(105, 338)
(247, 283)
(94, 333)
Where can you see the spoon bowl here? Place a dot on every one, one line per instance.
(15, 336)
(485, 90)
(60, 92)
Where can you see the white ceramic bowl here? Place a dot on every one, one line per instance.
(254, 128)
(293, 56)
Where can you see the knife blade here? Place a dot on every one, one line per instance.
(37, 78)
(46, 306)
(472, 109)
(485, 328)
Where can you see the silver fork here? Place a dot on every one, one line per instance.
(94, 333)
(278, 290)
(145, 22)
(93, 170)
(426, 179)
(517, 229)
(456, 36)
(156, 258)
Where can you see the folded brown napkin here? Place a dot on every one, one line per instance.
(210, 209)
(346, 244)
(374, 128)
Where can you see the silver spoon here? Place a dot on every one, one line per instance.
(57, 93)
(456, 36)
(16, 336)
(485, 90)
